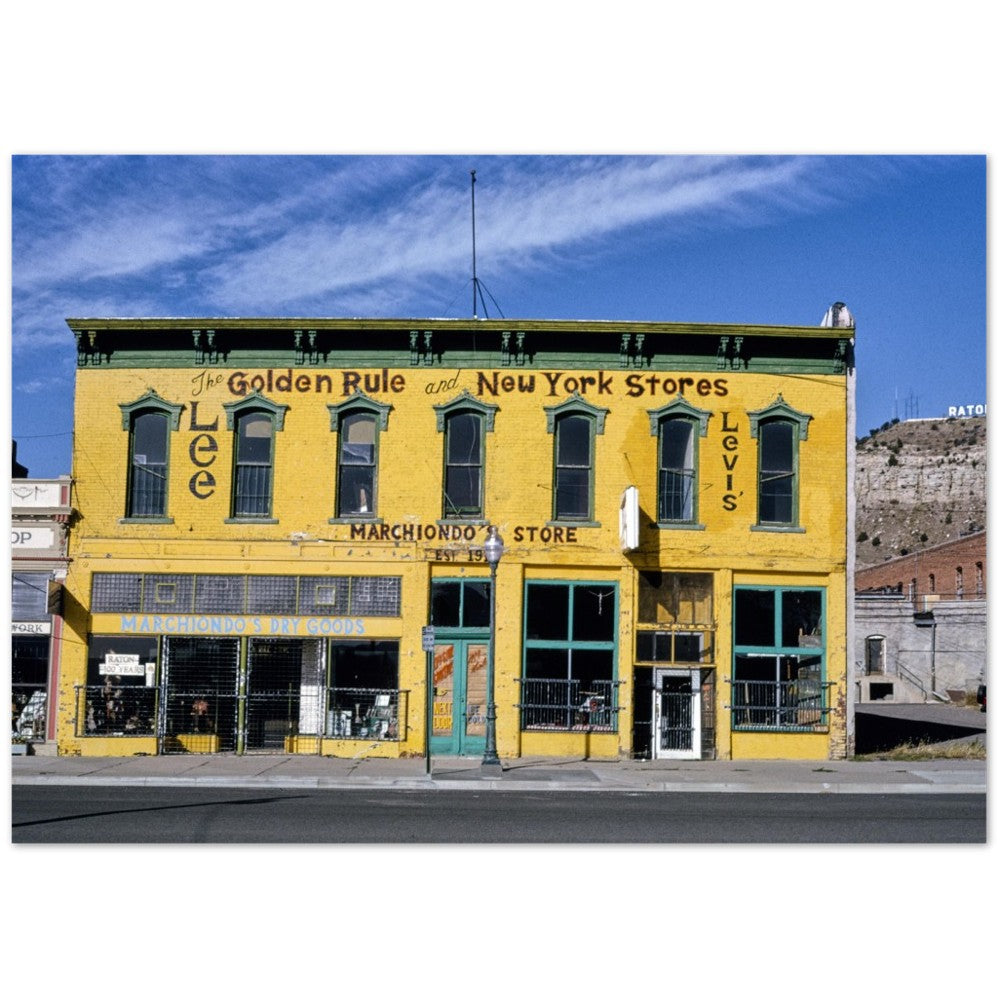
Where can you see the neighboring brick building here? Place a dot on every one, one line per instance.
(273, 510)
(920, 624)
(951, 571)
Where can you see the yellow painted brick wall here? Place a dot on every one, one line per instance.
(518, 476)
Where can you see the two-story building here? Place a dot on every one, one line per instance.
(40, 517)
(281, 528)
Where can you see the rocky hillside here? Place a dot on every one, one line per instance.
(919, 482)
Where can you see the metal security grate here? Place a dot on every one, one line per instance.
(201, 704)
(569, 705)
(284, 692)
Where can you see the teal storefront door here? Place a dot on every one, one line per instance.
(459, 726)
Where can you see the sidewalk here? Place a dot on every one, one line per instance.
(522, 774)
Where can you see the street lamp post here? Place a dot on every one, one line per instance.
(493, 551)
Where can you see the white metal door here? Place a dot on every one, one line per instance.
(677, 714)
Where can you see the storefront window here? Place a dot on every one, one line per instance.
(364, 696)
(120, 695)
(29, 671)
(570, 654)
(779, 659)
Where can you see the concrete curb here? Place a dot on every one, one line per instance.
(513, 785)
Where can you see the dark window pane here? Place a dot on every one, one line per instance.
(364, 664)
(572, 493)
(590, 665)
(801, 615)
(754, 618)
(776, 495)
(357, 490)
(253, 491)
(547, 663)
(476, 605)
(149, 438)
(776, 447)
(446, 604)
(462, 490)
(677, 445)
(548, 611)
(464, 439)
(594, 617)
(756, 668)
(676, 496)
(573, 442)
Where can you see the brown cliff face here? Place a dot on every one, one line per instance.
(919, 483)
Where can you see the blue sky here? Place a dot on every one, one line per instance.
(756, 239)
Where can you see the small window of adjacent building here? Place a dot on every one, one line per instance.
(677, 428)
(959, 583)
(149, 421)
(254, 421)
(980, 582)
(778, 429)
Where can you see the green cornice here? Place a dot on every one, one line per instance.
(254, 343)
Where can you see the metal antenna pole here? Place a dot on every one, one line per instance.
(475, 280)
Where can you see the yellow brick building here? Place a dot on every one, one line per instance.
(281, 528)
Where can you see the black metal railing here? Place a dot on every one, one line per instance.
(105, 710)
(785, 705)
(551, 703)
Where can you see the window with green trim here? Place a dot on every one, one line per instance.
(776, 492)
(463, 469)
(148, 453)
(779, 658)
(570, 653)
(677, 470)
(778, 429)
(574, 468)
(253, 468)
(356, 465)
(149, 421)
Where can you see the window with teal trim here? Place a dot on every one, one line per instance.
(574, 468)
(356, 465)
(148, 451)
(570, 653)
(777, 487)
(677, 470)
(463, 473)
(779, 659)
(252, 480)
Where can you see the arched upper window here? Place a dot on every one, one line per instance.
(465, 422)
(149, 421)
(778, 429)
(254, 421)
(678, 426)
(358, 423)
(574, 424)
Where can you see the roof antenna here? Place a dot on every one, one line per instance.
(477, 286)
